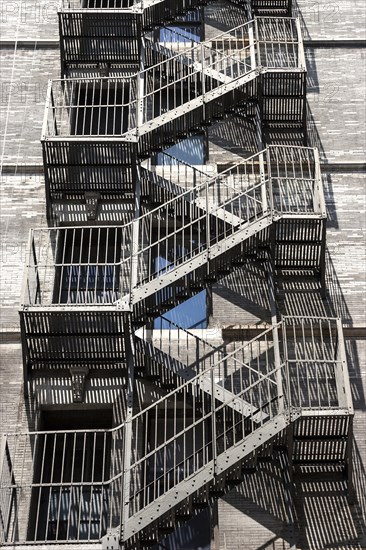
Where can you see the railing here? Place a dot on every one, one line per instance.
(317, 363)
(109, 106)
(61, 482)
(72, 484)
(108, 5)
(81, 5)
(296, 180)
(175, 355)
(93, 264)
(77, 265)
(102, 265)
(313, 348)
(188, 429)
(279, 43)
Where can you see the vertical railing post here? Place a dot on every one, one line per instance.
(208, 231)
(6, 499)
(270, 187)
(275, 334)
(300, 45)
(127, 440)
(203, 83)
(345, 389)
(263, 179)
(47, 113)
(213, 419)
(320, 208)
(286, 367)
(252, 43)
(257, 44)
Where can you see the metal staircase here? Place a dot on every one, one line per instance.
(122, 485)
(83, 281)
(110, 32)
(97, 130)
(92, 292)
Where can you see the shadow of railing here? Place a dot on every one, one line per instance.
(247, 289)
(236, 135)
(359, 485)
(320, 500)
(221, 17)
(265, 496)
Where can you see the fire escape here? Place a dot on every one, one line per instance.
(130, 238)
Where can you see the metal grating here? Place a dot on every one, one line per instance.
(271, 7)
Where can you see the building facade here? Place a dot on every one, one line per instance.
(188, 363)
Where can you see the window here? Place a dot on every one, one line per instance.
(69, 497)
(191, 151)
(181, 34)
(87, 266)
(190, 314)
(99, 108)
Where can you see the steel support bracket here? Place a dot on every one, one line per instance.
(111, 541)
(78, 375)
(104, 68)
(91, 199)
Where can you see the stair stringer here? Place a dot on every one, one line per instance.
(250, 229)
(212, 471)
(220, 92)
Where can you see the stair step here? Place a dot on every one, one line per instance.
(167, 525)
(201, 498)
(152, 377)
(184, 511)
(218, 487)
(140, 368)
(222, 272)
(183, 294)
(153, 310)
(168, 386)
(196, 286)
(210, 278)
(238, 261)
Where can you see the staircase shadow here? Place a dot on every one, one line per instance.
(319, 501)
(339, 308)
(264, 497)
(246, 289)
(236, 136)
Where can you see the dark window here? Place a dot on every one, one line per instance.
(87, 266)
(69, 497)
(99, 108)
